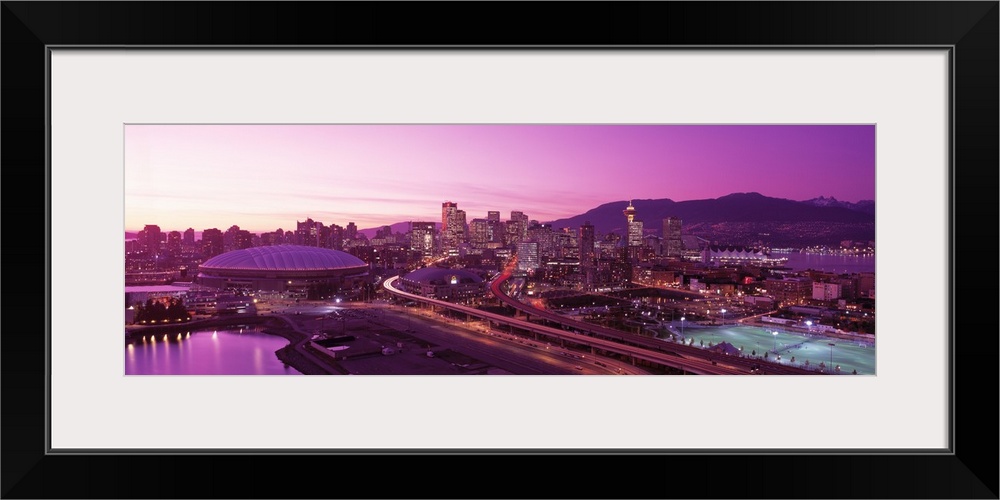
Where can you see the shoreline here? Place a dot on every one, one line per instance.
(270, 325)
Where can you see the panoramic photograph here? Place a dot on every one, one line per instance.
(543, 249)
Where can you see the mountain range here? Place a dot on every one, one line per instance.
(742, 219)
(736, 207)
(867, 206)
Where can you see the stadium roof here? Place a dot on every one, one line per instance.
(283, 258)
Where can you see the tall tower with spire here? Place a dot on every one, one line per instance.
(629, 212)
(634, 227)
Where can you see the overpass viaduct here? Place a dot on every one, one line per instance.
(668, 357)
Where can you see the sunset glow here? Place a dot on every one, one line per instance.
(264, 177)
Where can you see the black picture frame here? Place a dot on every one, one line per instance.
(969, 28)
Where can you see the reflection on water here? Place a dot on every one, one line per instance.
(830, 263)
(245, 351)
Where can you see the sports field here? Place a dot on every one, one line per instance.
(803, 347)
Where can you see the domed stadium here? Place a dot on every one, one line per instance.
(443, 283)
(298, 271)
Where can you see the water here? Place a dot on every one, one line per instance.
(850, 355)
(830, 263)
(235, 351)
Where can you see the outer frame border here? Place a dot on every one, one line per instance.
(32, 29)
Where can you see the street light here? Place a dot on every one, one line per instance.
(723, 316)
(775, 334)
(683, 319)
(831, 344)
(810, 325)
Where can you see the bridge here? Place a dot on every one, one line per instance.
(689, 360)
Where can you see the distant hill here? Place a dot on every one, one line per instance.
(738, 218)
(736, 207)
(866, 206)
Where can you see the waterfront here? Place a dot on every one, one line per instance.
(829, 262)
(231, 351)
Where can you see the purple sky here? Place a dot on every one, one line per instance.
(262, 177)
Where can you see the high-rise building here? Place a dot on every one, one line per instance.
(517, 228)
(422, 238)
(324, 236)
(527, 256)
(587, 244)
(336, 238)
(174, 242)
(149, 238)
(462, 225)
(479, 232)
(189, 237)
(588, 254)
(544, 236)
(307, 233)
(229, 238)
(673, 245)
(633, 228)
(211, 243)
(351, 231)
(243, 239)
(635, 233)
(452, 227)
(493, 215)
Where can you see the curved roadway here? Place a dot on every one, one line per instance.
(696, 365)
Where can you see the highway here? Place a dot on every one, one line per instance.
(666, 356)
(688, 353)
(496, 349)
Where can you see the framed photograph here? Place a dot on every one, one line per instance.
(178, 118)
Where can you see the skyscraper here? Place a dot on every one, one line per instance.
(461, 225)
(635, 233)
(211, 242)
(243, 239)
(527, 256)
(480, 232)
(189, 237)
(336, 241)
(229, 238)
(517, 228)
(452, 227)
(587, 244)
(149, 238)
(588, 255)
(307, 233)
(673, 245)
(174, 242)
(422, 238)
(493, 215)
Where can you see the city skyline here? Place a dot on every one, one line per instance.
(262, 177)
